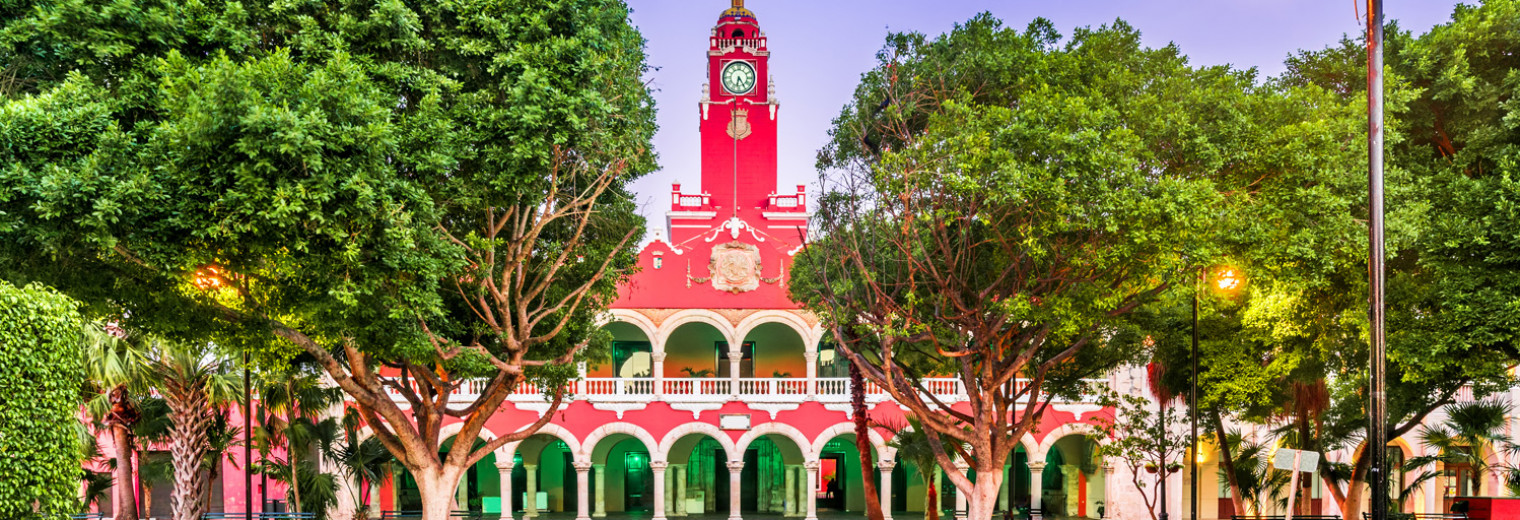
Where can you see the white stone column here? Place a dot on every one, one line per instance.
(658, 371)
(1003, 490)
(735, 481)
(530, 504)
(809, 497)
(599, 475)
(812, 373)
(374, 500)
(1433, 499)
(462, 492)
(960, 496)
(735, 355)
(1036, 483)
(885, 467)
(680, 472)
(582, 490)
(660, 505)
(1111, 509)
(580, 383)
(790, 482)
(1071, 472)
(504, 475)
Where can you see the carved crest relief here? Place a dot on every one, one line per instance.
(738, 127)
(735, 267)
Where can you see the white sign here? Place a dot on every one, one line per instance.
(1285, 459)
(738, 421)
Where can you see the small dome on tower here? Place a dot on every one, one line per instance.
(737, 10)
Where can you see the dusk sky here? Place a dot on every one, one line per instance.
(819, 49)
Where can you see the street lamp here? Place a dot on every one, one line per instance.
(1227, 279)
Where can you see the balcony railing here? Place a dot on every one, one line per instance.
(757, 389)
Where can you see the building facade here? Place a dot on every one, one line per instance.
(723, 396)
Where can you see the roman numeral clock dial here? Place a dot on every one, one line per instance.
(738, 77)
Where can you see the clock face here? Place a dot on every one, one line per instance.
(738, 77)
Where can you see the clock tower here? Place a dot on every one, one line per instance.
(731, 239)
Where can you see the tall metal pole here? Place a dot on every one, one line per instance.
(1162, 470)
(1377, 434)
(247, 442)
(1193, 406)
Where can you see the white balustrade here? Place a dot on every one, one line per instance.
(782, 389)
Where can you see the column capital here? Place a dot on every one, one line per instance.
(581, 467)
(810, 356)
(1108, 468)
(658, 357)
(599, 465)
(530, 467)
(962, 465)
(658, 465)
(812, 465)
(735, 465)
(886, 465)
(504, 466)
(1036, 466)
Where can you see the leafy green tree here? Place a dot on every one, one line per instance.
(1000, 201)
(1145, 441)
(413, 194)
(40, 370)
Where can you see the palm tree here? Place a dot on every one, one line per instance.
(293, 399)
(195, 386)
(916, 448)
(1473, 434)
(362, 462)
(114, 382)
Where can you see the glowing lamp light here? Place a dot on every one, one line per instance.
(1228, 280)
(208, 278)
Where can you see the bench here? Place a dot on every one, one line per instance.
(88, 516)
(1420, 516)
(400, 515)
(1020, 513)
(259, 516)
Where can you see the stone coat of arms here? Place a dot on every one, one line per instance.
(738, 127)
(735, 267)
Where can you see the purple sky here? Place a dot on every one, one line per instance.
(819, 48)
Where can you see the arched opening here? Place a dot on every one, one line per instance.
(774, 479)
(774, 350)
(699, 475)
(842, 485)
(1073, 479)
(696, 350)
(479, 489)
(543, 476)
(622, 479)
(632, 353)
(738, 33)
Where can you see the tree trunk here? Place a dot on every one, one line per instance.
(1352, 508)
(437, 488)
(863, 443)
(984, 495)
(124, 504)
(295, 472)
(931, 502)
(1228, 463)
(190, 416)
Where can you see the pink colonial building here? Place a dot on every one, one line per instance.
(723, 397)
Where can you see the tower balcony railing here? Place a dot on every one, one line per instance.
(689, 201)
(748, 43)
(708, 389)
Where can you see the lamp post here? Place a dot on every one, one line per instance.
(1228, 279)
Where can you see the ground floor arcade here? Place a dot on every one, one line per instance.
(772, 472)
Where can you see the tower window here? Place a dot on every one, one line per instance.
(738, 33)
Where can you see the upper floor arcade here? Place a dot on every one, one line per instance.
(722, 355)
